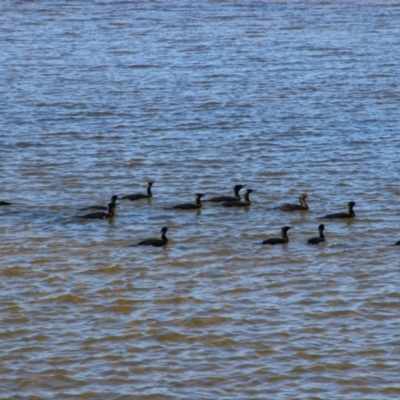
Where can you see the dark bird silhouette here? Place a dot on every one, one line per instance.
(100, 214)
(282, 240)
(138, 196)
(5, 203)
(228, 199)
(350, 214)
(190, 206)
(113, 202)
(244, 203)
(155, 242)
(320, 238)
(303, 206)
(397, 243)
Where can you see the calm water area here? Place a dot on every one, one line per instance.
(285, 97)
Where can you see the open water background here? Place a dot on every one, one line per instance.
(97, 98)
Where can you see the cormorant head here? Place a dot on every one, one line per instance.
(286, 228)
(200, 195)
(164, 229)
(237, 188)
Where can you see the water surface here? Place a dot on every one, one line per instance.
(99, 97)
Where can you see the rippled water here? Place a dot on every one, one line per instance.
(99, 97)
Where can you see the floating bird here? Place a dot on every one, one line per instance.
(282, 240)
(303, 206)
(244, 203)
(113, 200)
(228, 199)
(100, 214)
(320, 238)
(138, 196)
(190, 206)
(5, 203)
(155, 242)
(350, 214)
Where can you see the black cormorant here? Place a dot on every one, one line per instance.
(282, 240)
(5, 203)
(320, 238)
(190, 206)
(100, 214)
(228, 199)
(138, 196)
(244, 203)
(113, 200)
(303, 206)
(155, 242)
(350, 214)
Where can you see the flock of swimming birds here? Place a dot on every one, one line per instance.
(103, 212)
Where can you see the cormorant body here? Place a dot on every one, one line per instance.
(303, 206)
(5, 203)
(138, 196)
(228, 199)
(282, 240)
(191, 206)
(113, 200)
(244, 203)
(155, 242)
(320, 238)
(350, 214)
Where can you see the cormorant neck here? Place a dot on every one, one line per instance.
(236, 193)
(110, 209)
(303, 202)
